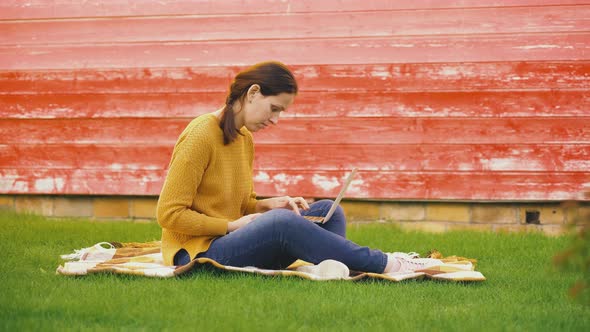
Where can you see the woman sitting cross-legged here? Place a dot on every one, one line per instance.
(208, 208)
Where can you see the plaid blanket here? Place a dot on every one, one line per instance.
(145, 259)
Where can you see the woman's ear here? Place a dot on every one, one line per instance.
(252, 91)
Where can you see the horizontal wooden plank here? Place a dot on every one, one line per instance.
(361, 77)
(48, 106)
(307, 104)
(311, 131)
(429, 131)
(92, 131)
(425, 158)
(378, 50)
(108, 8)
(330, 157)
(308, 25)
(410, 185)
(83, 156)
(511, 186)
(81, 182)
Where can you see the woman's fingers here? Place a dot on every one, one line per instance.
(302, 202)
(293, 205)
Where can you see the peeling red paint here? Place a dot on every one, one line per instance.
(484, 100)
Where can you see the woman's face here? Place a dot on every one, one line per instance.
(262, 111)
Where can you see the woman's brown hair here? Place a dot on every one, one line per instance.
(273, 78)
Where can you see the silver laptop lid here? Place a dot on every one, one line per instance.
(340, 195)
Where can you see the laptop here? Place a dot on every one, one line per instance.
(321, 220)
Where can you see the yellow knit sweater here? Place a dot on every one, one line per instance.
(208, 185)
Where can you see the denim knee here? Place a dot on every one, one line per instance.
(280, 214)
(327, 203)
(281, 219)
(324, 203)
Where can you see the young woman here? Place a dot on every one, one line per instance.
(208, 208)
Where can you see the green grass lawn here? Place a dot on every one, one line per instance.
(523, 290)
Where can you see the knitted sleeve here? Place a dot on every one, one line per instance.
(251, 206)
(189, 160)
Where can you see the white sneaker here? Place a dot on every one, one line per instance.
(408, 255)
(327, 270)
(410, 262)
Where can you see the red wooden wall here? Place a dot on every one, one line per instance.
(448, 99)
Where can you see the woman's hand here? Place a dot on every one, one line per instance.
(239, 223)
(283, 202)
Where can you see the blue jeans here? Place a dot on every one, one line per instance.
(279, 237)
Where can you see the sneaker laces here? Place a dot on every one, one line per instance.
(410, 262)
(410, 265)
(409, 255)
